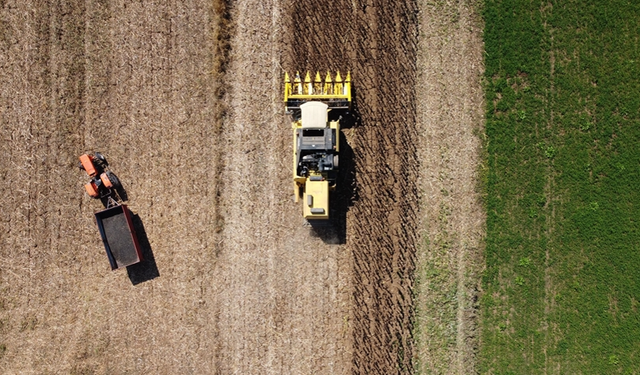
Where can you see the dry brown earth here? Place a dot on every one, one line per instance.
(282, 292)
(133, 80)
(235, 283)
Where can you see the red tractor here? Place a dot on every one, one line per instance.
(115, 222)
(103, 182)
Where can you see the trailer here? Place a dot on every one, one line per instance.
(119, 236)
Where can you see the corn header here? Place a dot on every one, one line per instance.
(316, 107)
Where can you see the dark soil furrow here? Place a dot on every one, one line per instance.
(376, 41)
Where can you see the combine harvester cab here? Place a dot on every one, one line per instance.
(316, 137)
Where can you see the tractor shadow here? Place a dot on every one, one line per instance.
(346, 194)
(147, 269)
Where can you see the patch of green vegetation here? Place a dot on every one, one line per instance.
(436, 296)
(562, 279)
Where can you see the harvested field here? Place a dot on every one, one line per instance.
(133, 81)
(281, 291)
(184, 99)
(376, 40)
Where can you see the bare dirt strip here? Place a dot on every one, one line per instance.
(282, 290)
(450, 122)
(377, 41)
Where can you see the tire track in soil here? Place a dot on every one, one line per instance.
(376, 40)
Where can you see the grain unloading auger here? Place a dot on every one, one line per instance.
(315, 107)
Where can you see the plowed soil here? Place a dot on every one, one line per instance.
(184, 99)
(377, 41)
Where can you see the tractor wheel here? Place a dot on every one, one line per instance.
(115, 182)
(100, 158)
(106, 181)
(81, 166)
(91, 189)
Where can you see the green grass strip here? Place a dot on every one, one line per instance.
(562, 282)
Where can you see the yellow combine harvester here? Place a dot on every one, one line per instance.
(315, 107)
